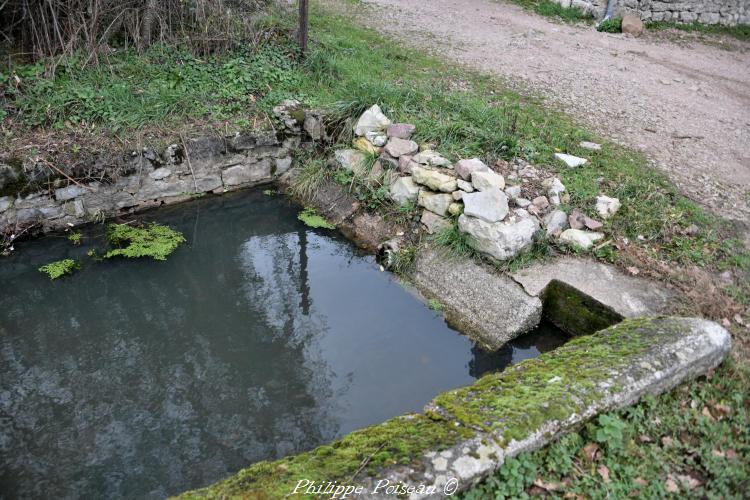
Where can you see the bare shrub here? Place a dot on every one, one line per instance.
(43, 28)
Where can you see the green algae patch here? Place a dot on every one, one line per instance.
(400, 440)
(574, 312)
(154, 240)
(59, 268)
(311, 218)
(515, 403)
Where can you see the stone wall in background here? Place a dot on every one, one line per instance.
(205, 165)
(726, 12)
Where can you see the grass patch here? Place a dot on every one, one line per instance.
(740, 32)
(56, 270)
(692, 441)
(155, 241)
(454, 241)
(548, 8)
(162, 85)
(611, 25)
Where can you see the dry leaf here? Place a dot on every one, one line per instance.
(536, 491)
(707, 413)
(671, 486)
(718, 453)
(691, 481)
(722, 409)
(666, 441)
(574, 496)
(645, 439)
(738, 319)
(633, 270)
(726, 323)
(591, 450)
(539, 482)
(731, 454)
(604, 472)
(640, 481)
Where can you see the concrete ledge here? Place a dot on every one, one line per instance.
(464, 435)
(627, 296)
(487, 306)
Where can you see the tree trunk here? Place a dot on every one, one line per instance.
(303, 22)
(149, 13)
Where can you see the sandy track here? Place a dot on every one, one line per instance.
(686, 106)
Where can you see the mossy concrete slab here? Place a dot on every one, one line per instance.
(487, 306)
(465, 435)
(627, 296)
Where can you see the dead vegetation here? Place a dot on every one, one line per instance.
(37, 29)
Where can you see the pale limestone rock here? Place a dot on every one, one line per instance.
(482, 180)
(490, 205)
(570, 160)
(435, 202)
(403, 191)
(580, 238)
(606, 206)
(433, 223)
(372, 120)
(499, 240)
(434, 180)
(431, 158)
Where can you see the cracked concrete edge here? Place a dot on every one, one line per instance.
(487, 306)
(628, 296)
(700, 346)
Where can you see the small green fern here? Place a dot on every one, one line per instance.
(155, 241)
(59, 268)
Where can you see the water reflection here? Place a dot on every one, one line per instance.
(260, 338)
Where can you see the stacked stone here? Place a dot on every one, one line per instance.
(498, 219)
(725, 12)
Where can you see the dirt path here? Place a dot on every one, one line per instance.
(686, 106)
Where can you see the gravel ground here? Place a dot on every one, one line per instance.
(684, 103)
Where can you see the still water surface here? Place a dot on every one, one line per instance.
(259, 338)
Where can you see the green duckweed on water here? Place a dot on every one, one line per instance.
(59, 268)
(155, 241)
(312, 219)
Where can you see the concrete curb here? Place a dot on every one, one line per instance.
(466, 434)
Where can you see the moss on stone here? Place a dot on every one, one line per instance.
(574, 312)
(311, 218)
(555, 385)
(155, 241)
(512, 404)
(397, 441)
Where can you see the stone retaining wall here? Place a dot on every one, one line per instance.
(725, 12)
(208, 165)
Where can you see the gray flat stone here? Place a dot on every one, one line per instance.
(245, 174)
(70, 192)
(628, 296)
(490, 205)
(485, 305)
